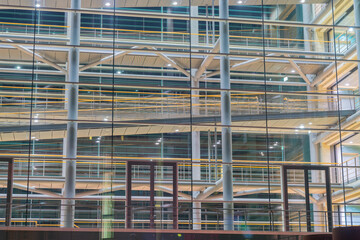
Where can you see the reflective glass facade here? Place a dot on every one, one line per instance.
(174, 114)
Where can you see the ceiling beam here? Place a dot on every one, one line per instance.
(105, 59)
(210, 190)
(236, 66)
(37, 56)
(299, 71)
(302, 193)
(33, 189)
(171, 62)
(99, 191)
(254, 191)
(208, 59)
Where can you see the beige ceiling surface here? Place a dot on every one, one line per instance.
(147, 3)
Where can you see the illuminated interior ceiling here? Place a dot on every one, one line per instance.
(148, 3)
(142, 88)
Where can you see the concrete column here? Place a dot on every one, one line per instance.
(196, 173)
(169, 25)
(357, 31)
(196, 148)
(313, 148)
(226, 135)
(317, 177)
(307, 17)
(195, 136)
(299, 18)
(68, 205)
(325, 153)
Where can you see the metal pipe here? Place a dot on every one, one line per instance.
(226, 117)
(68, 205)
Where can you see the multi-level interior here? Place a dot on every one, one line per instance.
(203, 114)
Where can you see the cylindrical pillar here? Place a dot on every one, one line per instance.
(195, 135)
(68, 204)
(226, 135)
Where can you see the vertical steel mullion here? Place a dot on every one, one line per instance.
(285, 199)
(328, 198)
(128, 195)
(152, 195)
(175, 196)
(307, 200)
(9, 192)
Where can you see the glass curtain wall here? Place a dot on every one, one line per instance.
(180, 114)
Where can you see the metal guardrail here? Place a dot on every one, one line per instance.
(343, 42)
(245, 219)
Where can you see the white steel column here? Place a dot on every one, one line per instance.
(318, 208)
(307, 17)
(68, 205)
(195, 135)
(226, 135)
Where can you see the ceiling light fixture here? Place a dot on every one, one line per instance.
(107, 4)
